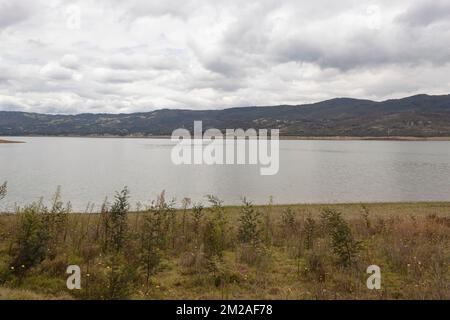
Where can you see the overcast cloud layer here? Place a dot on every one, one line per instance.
(127, 56)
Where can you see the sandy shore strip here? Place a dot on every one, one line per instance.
(10, 141)
(391, 138)
(282, 137)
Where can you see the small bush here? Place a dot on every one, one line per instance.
(162, 217)
(343, 244)
(55, 221)
(185, 203)
(310, 232)
(197, 215)
(365, 214)
(151, 245)
(249, 228)
(118, 219)
(288, 219)
(214, 234)
(3, 190)
(116, 282)
(31, 244)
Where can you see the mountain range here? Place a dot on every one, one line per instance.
(416, 116)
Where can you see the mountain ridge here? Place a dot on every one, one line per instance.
(419, 115)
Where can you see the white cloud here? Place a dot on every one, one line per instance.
(117, 56)
(70, 61)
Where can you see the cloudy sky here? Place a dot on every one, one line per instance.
(127, 56)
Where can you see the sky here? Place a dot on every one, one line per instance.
(118, 56)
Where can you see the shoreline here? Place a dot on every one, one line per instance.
(306, 138)
(10, 141)
(368, 138)
(303, 206)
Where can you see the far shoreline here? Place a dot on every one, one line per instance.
(423, 206)
(282, 137)
(10, 141)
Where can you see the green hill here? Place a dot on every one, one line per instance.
(420, 116)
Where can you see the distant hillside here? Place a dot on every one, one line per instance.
(420, 116)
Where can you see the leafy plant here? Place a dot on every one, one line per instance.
(197, 215)
(365, 215)
(3, 190)
(268, 228)
(212, 239)
(310, 231)
(342, 241)
(120, 279)
(104, 226)
(159, 218)
(288, 219)
(185, 203)
(30, 247)
(214, 235)
(249, 228)
(55, 221)
(151, 245)
(118, 219)
(163, 219)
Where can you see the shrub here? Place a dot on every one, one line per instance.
(214, 234)
(151, 244)
(288, 219)
(55, 221)
(3, 190)
(186, 202)
(342, 242)
(249, 228)
(212, 239)
(310, 231)
(162, 215)
(104, 226)
(118, 219)
(268, 228)
(197, 215)
(32, 239)
(365, 214)
(119, 280)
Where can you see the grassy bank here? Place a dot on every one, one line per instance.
(214, 252)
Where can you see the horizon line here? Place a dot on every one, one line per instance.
(229, 108)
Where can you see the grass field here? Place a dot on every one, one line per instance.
(216, 252)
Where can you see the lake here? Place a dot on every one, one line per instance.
(90, 169)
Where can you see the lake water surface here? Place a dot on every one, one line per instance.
(90, 169)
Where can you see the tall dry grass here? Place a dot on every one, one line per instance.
(211, 251)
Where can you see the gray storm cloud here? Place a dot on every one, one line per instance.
(116, 56)
(426, 13)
